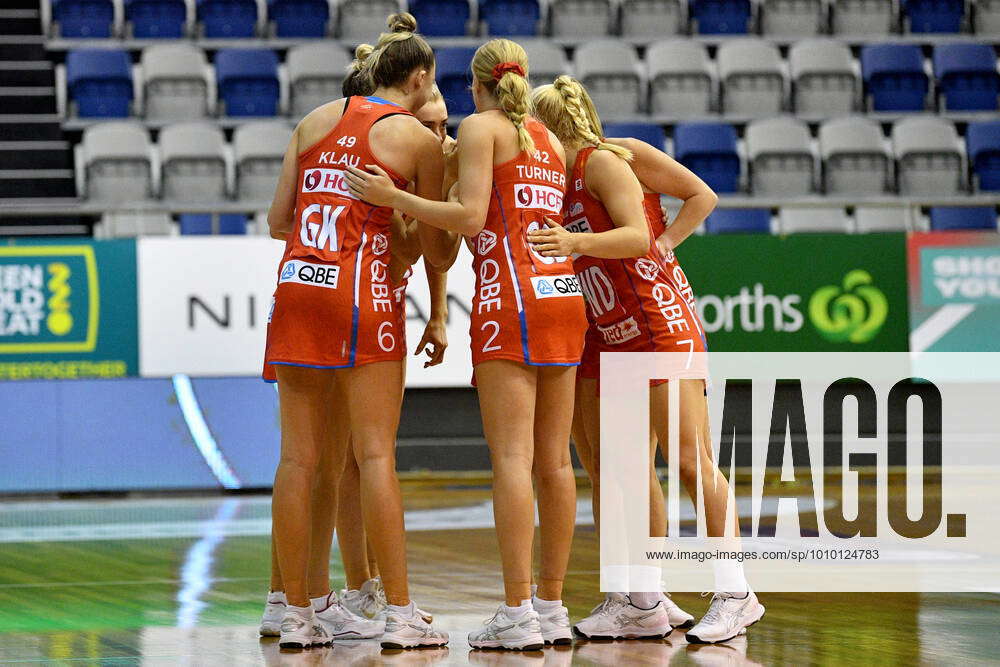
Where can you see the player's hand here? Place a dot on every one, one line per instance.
(373, 186)
(434, 341)
(553, 240)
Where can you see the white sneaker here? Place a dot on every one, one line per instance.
(618, 618)
(340, 623)
(725, 618)
(555, 624)
(274, 610)
(368, 601)
(501, 631)
(410, 628)
(679, 619)
(301, 629)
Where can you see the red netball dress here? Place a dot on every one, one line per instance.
(527, 308)
(334, 306)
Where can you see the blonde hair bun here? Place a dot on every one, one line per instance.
(401, 22)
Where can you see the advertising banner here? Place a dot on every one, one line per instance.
(67, 309)
(954, 292)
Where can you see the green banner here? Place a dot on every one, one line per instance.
(800, 293)
(67, 309)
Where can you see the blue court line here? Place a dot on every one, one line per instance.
(201, 434)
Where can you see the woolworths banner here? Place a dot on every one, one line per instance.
(808, 292)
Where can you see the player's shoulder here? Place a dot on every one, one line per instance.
(631, 143)
(604, 159)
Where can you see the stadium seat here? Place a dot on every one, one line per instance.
(361, 21)
(316, 73)
(894, 77)
(680, 78)
(792, 17)
(812, 219)
(721, 17)
(823, 79)
(986, 17)
(933, 15)
(982, 144)
(165, 19)
(750, 74)
(116, 163)
(99, 81)
(868, 219)
(709, 150)
(248, 82)
(227, 18)
(928, 157)
(580, 18)
(862, 17)
(648, 132)
(299, 18)
(454, 78)
(780, 160)
(739, 221)
(945, 218)
(202, 223)
(510, 17)
(610, 71)
(651, 18)
(83, 18)
(441, 18)
(546, 61)
(854, 156)
(258, 150)
(129, 224)
(174, 82)
(193, 162)
(967, 77)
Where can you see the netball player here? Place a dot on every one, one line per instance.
(648, 308)
(527, 329)
(333, 332)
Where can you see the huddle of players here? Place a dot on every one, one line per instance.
(553, 212)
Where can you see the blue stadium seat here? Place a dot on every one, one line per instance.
(100, 82)
(201, 223)
(156, 18)
(299, 18)
(441, 18)
(967, 76)
(228, 18)
(709, 150)
(934, 15)
(894, 76)
(248, 81)
(454, 78)
(721, 17)
(739, 221)
(648, 132)
(963, 217)
(510, 17)
(982, 142)
(83, 18)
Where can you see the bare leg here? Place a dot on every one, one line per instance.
(587, 422)
(657, 503)
(350, 527)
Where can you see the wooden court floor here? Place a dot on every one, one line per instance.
(180, 581)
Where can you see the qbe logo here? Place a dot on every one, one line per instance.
(555, 286)
(647, 268)
(380, 243)
(304, 273)
(326, 180)
(528, 195)
(581, 226)
(485, 241)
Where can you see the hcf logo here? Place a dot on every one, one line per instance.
(852, 312)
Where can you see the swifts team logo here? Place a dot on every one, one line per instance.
(485, 241)
(647, 268)
(380, 243)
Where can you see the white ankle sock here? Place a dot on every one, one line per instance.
(305, 612)
(405, 610)
(645, 600)
(541, 605)
(729, 577)
(322, 603)
(519, 611)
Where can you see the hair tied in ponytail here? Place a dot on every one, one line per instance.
(502, 68)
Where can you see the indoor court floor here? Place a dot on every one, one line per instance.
(180, 581)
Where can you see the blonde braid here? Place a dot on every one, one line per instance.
(586, 125)
(512, 93)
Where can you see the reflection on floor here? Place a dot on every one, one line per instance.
(181, 581)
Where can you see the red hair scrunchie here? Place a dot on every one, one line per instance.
(503, 68)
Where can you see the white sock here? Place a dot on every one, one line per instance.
(276, 597)
(645, 600)
(322, 603)
(405, 610)
(541, 605)
(514, 613)
(304, 612)
(729, 577)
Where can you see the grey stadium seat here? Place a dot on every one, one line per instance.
(823, 77)
(792, 17)
(854, 156)
(798, 219)
(119, 224)
(546, 61)
(862, 17)
(116, 162)
(258, 149)
(362, 21)
(680, 78)
(869, 219)
(315, 73)
(609, 70)
(651, 18)
(751, 77)
(175, 86)
(580, 18)
(928, 156)
(987, 17)
(193, 162)
(781, 162)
